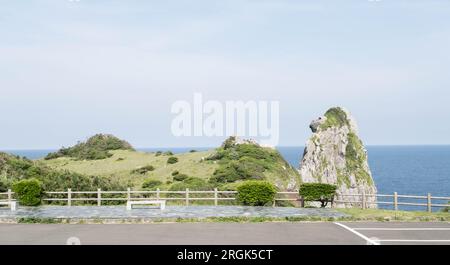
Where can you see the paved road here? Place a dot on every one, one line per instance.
(229, 233)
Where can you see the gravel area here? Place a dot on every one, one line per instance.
(120, 212)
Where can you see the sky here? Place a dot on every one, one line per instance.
(71, 69)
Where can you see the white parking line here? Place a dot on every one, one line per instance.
(368, 240)
(413, 240)
(403, 229)
(376, 241)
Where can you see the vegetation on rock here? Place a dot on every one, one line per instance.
(355, 157)
(335, 117)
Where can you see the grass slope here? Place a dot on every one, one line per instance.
(122, 167)
(122, 163)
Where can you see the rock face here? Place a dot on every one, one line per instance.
(335, 155)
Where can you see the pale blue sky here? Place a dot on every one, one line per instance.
(72, 69)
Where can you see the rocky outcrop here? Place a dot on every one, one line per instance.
(335, 155)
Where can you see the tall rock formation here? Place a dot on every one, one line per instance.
(335, 155)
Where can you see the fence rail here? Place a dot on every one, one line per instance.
(216, 196)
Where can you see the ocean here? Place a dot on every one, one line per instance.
(408, 170)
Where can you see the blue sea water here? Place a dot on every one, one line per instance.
(409, 170)
(405, 169)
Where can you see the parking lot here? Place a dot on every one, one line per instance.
(377, 233)
(281, 233)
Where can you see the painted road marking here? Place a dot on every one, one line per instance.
(404, 229)
(377, 241)
(368, 240)
(414, 240)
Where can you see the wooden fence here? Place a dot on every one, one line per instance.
(187, 196)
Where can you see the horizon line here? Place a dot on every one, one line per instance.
(203, 147)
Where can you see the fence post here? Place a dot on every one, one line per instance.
(215, 196)
(187, 197)
(395, 201)
(302, 202)
(99, 197)
(429, 202)
(157, 193)
(9, 195)
(128, 194)
(69, 197)
(363, 199)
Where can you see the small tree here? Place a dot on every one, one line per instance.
(318, 192)
(256, 193)
(29, 191)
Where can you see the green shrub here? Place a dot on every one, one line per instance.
(143, 170)
(158, 153)
(172, 160)
(180, 177)
(446, 209)
(256, 193)
(176, 172)
(28, 191)
(247, 161)
(244, 169)
(193, 151)
(318, 192)
(151, 184)
(191, 183)
(168, 153)
(3, 187)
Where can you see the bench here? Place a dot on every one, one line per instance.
(11, 204)
(162, 204)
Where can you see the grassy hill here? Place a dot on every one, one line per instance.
(223, 167)
(96, 147)
(123, 164)
(14, 168)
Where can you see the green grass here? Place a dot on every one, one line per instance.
(38, 220)
(121, 165)
(124, 167)
(390, 215)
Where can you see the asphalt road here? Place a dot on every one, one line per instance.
(228, 233)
